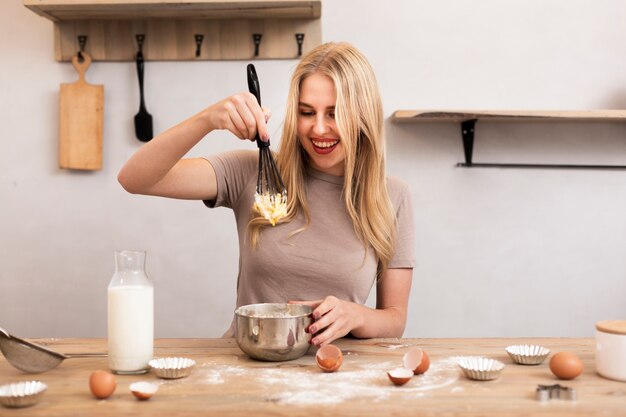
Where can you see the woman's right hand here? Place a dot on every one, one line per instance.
(157, 168)
(242, 115)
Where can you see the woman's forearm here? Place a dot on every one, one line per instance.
(152, 162)
(388, 322)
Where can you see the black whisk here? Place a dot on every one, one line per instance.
(269, 182)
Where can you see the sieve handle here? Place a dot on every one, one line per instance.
(255, 89)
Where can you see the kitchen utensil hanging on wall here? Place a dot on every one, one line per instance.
(143, 119)
(81, 112)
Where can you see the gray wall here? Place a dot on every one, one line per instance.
(500, 252)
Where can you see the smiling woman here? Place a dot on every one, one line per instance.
(347, 227)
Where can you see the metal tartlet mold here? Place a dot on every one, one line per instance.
(172, 367)
(22, 394)
(527, 354)
(480, 368)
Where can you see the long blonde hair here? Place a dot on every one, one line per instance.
(359, 118)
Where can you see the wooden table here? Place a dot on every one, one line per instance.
(227, 383)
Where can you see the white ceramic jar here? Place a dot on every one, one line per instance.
(611, 349)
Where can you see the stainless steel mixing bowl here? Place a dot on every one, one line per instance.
(273, 331)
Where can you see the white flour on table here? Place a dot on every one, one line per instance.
(309, 385)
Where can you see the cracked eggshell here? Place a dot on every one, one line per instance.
(424, 365)
(400, 376)
(329, 358)
(416, 360)
(143, 390)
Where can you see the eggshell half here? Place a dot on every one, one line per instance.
(413, 359)
(400, 376)
(143, 390)
(329, 358)
(423, 367)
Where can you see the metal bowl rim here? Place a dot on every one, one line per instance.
(239, 313)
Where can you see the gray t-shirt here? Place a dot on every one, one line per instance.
(324, 259)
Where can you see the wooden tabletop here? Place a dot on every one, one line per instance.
(225, 382)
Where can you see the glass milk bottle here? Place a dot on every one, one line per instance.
(130, 314)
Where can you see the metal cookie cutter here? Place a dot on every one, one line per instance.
(548, 392)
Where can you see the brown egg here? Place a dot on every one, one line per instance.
(400, 376)
(102, 384)
(329, 358)
(566, 365)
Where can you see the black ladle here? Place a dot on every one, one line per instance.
(143, 119)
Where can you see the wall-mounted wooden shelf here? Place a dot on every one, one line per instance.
(468, 119)
(170, 28)
(417, 116)
(63, 10)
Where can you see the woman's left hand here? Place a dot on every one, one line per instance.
(333, 319)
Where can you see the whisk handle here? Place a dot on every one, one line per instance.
(255, 89)
(253, 83)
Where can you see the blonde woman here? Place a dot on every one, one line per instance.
(348, 227)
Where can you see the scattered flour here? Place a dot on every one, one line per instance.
(215, 378)
(393, 346)
(217, 373)
(307, 385)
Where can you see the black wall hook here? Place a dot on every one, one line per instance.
(300, 40)
(256, 37)
(82, 41)
(140, 38)
(199, 37)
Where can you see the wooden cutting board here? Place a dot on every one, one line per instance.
(81, 121)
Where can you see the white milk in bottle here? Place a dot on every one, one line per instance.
(130, 314)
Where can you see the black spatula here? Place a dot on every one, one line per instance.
(143, 119)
